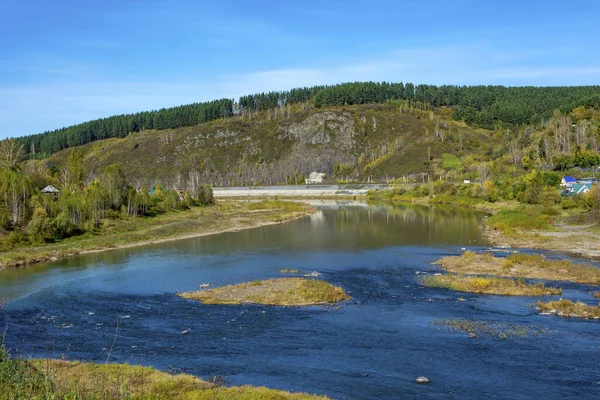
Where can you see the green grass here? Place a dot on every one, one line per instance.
(450, 161)
(279, 291)
(56, 379)
(280, 205)
(569, 309)
(522, 217)
(489, 285)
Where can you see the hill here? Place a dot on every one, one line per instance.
(376, 142)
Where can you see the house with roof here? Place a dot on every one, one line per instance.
(577, 188)
(51, 190)
(568, 181)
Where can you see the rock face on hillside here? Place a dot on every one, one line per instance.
(270, 148)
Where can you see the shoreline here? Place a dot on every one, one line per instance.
(575, 240)
(51, 253)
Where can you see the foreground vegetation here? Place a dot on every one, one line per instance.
(58, 379)
(489, 285)
(277, 292)
(568, 308)
(176, 224)
(530, 266)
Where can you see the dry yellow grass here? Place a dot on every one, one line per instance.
(533, 266)
(79, 380)
(568, 308)
(280, 291)
(489, 285)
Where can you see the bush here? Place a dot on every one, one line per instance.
(204, 195)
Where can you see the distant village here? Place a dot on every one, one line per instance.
(572, 186)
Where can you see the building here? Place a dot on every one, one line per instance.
(577, 188)
(589, 181)
(51, 190)
(568, 181)
(315, 177)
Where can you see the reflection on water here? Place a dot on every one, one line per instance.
(372, 347)
(336, 226)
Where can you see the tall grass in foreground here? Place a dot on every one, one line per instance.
(56, 379)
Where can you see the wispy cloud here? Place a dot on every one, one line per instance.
(81, 93)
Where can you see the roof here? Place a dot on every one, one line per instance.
(50, 189)
(581, 188)
(569, 178)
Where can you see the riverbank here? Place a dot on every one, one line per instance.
(515, 225)
(46, 378)
(225, 216)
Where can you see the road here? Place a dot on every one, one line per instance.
(298, 191)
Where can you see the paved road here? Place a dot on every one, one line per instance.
(297, 191)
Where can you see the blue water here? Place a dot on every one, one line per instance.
(371, 347)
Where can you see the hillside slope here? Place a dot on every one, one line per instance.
(270, 147)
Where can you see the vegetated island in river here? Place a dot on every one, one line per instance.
(519, 266)
(568, 309)
(224, 216)
(531, 266)
(274, 292)
(45, 378)
(489, 285)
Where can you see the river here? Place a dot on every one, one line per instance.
(372, 347)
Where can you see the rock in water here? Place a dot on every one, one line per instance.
(472, 335)
(185, 332)
(422, 380)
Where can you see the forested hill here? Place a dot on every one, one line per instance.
(481, 106)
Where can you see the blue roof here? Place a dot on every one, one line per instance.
(568, 178)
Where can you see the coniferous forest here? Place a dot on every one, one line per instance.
(481, 106)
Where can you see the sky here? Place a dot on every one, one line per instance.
(64, 62)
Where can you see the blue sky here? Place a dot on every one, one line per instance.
(67, 61)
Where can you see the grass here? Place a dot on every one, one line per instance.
(501, 330)
(450, 161)
(522, 217)
(531, 266)
(279, 291)
(568, 308)
(128, 232)
(288, 206)
(489, 285)
(57, 379)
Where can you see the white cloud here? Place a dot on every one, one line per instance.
(32, 109)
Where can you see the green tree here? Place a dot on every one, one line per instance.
(114, 182)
